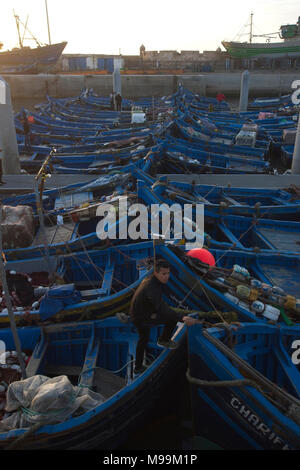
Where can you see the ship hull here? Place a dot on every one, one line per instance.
(276, 50)
(26, 59)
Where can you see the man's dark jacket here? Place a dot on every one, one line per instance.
(147, 303)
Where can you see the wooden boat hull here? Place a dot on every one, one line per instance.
(105, 279)
(276, 50)
(39, 57)
(108, 425)
(238, 417)
(274, 204)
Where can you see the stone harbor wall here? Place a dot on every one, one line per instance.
(136, 86)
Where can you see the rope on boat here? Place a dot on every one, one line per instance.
(220, 383)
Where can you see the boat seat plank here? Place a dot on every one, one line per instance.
(282, 239)
(281, 201)
(37, 356)
(107, 383)
(232, 201)
(260, 236)
(91, 357)
(286, 277)
(106, 284)
(108, 277)
(202, 199)
(92, 293)
(229, 235)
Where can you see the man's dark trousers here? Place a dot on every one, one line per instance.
(144, 333)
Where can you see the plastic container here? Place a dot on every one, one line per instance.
(232, 298)
(239, 272)
(220, 281)
(244, 305)
(272, 313)
(277, 290)
(257, 306)
(255, 283)
(266, 289)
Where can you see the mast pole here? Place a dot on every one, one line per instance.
(9, 305)
(49, 37)
(18, 28)
(251, 27)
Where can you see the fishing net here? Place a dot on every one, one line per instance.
(40, 399)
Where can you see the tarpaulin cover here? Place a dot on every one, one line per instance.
(57, 298)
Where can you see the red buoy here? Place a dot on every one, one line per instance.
(202, 255)
(30, 119)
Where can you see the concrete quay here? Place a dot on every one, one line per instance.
(22, 184)
(136, 86)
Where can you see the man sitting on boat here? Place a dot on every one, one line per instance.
(148, 309)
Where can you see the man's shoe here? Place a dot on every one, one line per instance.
(140, 370)
(167, 344)
(123, 317)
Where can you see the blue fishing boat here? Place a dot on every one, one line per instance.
(195, 138)
(273, 203)
(70, 220)
(244, 386)
(188, 161)
(277, 269)
(248, 293)
(270, 103)
(96, 356)
(233, 231)
(98, 283)
(85, 285)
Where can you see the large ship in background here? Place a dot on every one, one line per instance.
(31, 60)
(289, 47)
(23, 59)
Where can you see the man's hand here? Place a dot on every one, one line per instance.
(189, 321)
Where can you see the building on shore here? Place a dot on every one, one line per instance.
(162, 62)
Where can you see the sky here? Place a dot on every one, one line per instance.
(121, 26)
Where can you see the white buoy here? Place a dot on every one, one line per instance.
(296, 155)
(9, 152)
(244, 93)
